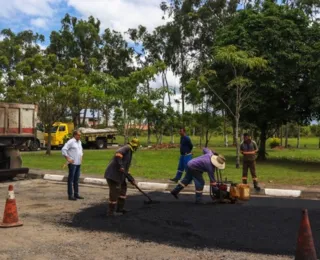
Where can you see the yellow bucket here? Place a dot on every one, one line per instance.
(244, 190)
(234, 192)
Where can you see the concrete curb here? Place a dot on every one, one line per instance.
(153, 186)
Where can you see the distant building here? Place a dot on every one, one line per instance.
(92, 117)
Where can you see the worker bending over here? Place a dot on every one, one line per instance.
(207, 162)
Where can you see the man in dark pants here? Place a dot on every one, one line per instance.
(207, 162)
(249, 149)
(185, 154)
(116, 174)
(73, 152)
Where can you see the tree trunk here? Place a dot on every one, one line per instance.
(237, 141)
(172, 135)
(74, 120)
(84, 117)
(281, 136)
(106, 116)
(207, 138)
(298, 137)
(234, 141)
(287, 133)
(164, 74)
(262, 149)
(225, 135)
(48, 130)
(319, 142)
(125, 130)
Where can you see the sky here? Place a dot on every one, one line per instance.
(44, 16)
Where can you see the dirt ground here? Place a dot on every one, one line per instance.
(55, 228)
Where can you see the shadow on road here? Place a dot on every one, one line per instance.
(262, 225)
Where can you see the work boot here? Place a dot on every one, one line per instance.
(111, 211)
(199, 199)
(120, 206)
(176, 190)
(174, 180)
(256, 186)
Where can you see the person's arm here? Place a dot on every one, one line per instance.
(190, 144)
(242, 149)
(119, 158)
(64, 152)
(81, 151)
(211, 176)
(255, 146)
(206, 150)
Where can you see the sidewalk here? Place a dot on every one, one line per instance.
(267, 189)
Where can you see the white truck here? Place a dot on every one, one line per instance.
(17, 126)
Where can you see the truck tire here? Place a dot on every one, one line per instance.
(34, 145)
(100, 143)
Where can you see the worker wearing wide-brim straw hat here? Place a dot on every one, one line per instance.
(208, 162)
(116, 173)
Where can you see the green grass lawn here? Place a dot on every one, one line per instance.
(289, 166)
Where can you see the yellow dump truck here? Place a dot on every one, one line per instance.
(97, 138)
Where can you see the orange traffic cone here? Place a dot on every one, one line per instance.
(10, 216)
(305, 247)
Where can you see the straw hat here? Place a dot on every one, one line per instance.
(218, 161)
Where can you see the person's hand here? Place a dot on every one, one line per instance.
(121, 170)
(69, 160)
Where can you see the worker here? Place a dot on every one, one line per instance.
(116, 173)
(249, 150)
(185, 154)
(207, 162)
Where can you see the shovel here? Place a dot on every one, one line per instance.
(149, 201)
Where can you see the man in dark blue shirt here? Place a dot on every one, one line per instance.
(185, 154)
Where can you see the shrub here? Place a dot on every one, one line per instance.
(274, 142)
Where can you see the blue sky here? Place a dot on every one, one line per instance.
(43, 16)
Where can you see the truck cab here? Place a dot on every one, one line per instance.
(58, 132)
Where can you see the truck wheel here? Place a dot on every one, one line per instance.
(34, 145)
(100, 144)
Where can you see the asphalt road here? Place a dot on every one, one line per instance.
(261, 225)
(55, 228)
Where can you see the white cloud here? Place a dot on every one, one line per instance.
(28, 7)
(121, 15)
(39, 22)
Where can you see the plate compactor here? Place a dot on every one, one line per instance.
(228, 192)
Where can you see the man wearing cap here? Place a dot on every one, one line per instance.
(116, 174)
(249, 149)
(207, 162)
(185, 154)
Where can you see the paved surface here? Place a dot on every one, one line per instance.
(55, 228)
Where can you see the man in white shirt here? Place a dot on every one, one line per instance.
(73, 152)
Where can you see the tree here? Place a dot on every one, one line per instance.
(240, 63)
(44, 81)
(77, 39)
(281, 35)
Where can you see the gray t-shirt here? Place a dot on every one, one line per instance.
(249, 147)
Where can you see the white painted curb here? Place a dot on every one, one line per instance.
(283, 193)
(95, 181)
(153, 186)
(206, 189)
(165, 186)
(51, 177)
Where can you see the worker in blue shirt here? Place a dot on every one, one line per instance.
(185, 154)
